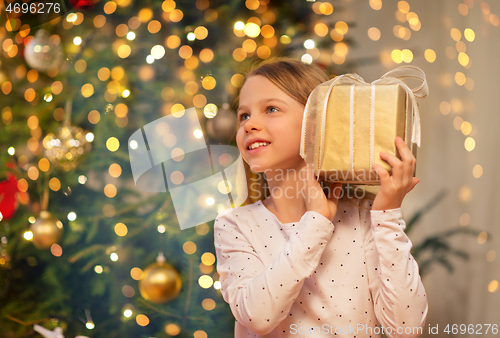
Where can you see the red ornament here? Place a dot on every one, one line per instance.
(8, 199)
(82, 4)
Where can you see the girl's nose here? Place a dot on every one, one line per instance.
(253, 124)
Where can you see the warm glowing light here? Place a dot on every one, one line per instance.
(210, 201)
(309, 44)
(71, 216)
(465, 194)
(33, 173)
(87, 90)
(110, 190)
(161, 229)
(115, 170)
(239, 25)
(208, 83)
(127, 313)
(252, 30)
(463, 59)
(403, 7)
(376, 4)
(98, 269)
(112, 144)
(198, 133)
(469, 34)
(142, 320)
(124, 51)
(493, 286)
(285, 39)
(201, 32)
(430, 55)
(464, 219)
(77, 40)
(189, 247)
(460, 78)
(130, 36)
(54, 184)
(208, 258)
(407, 55)
(90, 325)
(113, 256)
(136, 273)
(490, 256)
(128, 291)
(374, 33)
(121, 229)
(463, 9)
(205, 281)
(477, 171)
(56, 250)
(469, 144)
(306, 58)
(217, 285)
(455, 34)
(397, 56)
(466, 128)
(208, 304)
(482, 237)
(172, 329)
(158, 52)
(28, 235)
(71, 17)
(11, 151)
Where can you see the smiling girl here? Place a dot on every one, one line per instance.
(319, 263)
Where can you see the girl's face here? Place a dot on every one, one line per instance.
(270, 125)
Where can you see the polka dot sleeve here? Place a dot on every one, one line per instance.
(397, 290)
(260, 295)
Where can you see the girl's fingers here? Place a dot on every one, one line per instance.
(382, 174)
(396, 164)
(414, 182)
(407, 159)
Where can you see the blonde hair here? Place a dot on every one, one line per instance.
(298, 80)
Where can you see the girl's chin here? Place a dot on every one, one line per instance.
(258, 168)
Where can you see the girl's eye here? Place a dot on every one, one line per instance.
(269, 108)
(244, 116)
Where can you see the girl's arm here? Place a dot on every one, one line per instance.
(397, 290)
(261, 296)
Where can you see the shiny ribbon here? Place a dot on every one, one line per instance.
(319, 100)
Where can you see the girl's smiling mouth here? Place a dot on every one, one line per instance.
(257, 146)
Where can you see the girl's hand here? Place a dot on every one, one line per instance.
(394, 187)
(315, 198)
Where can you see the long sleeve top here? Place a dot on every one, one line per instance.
(353, 277)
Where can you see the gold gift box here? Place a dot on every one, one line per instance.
(348, 123)
(389, 121)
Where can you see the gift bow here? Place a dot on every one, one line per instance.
(56, 333)
(395, 76)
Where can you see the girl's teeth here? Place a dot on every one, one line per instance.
(257, 145)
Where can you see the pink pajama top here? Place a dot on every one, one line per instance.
(354, 277)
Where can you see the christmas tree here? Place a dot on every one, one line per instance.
(83, 250)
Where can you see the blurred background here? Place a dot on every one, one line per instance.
(84, 251)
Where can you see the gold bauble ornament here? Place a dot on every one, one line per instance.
(46, 230)
(160, 282)
(67, 146)
(44, 51)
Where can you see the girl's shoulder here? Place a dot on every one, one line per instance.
(233, 213)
